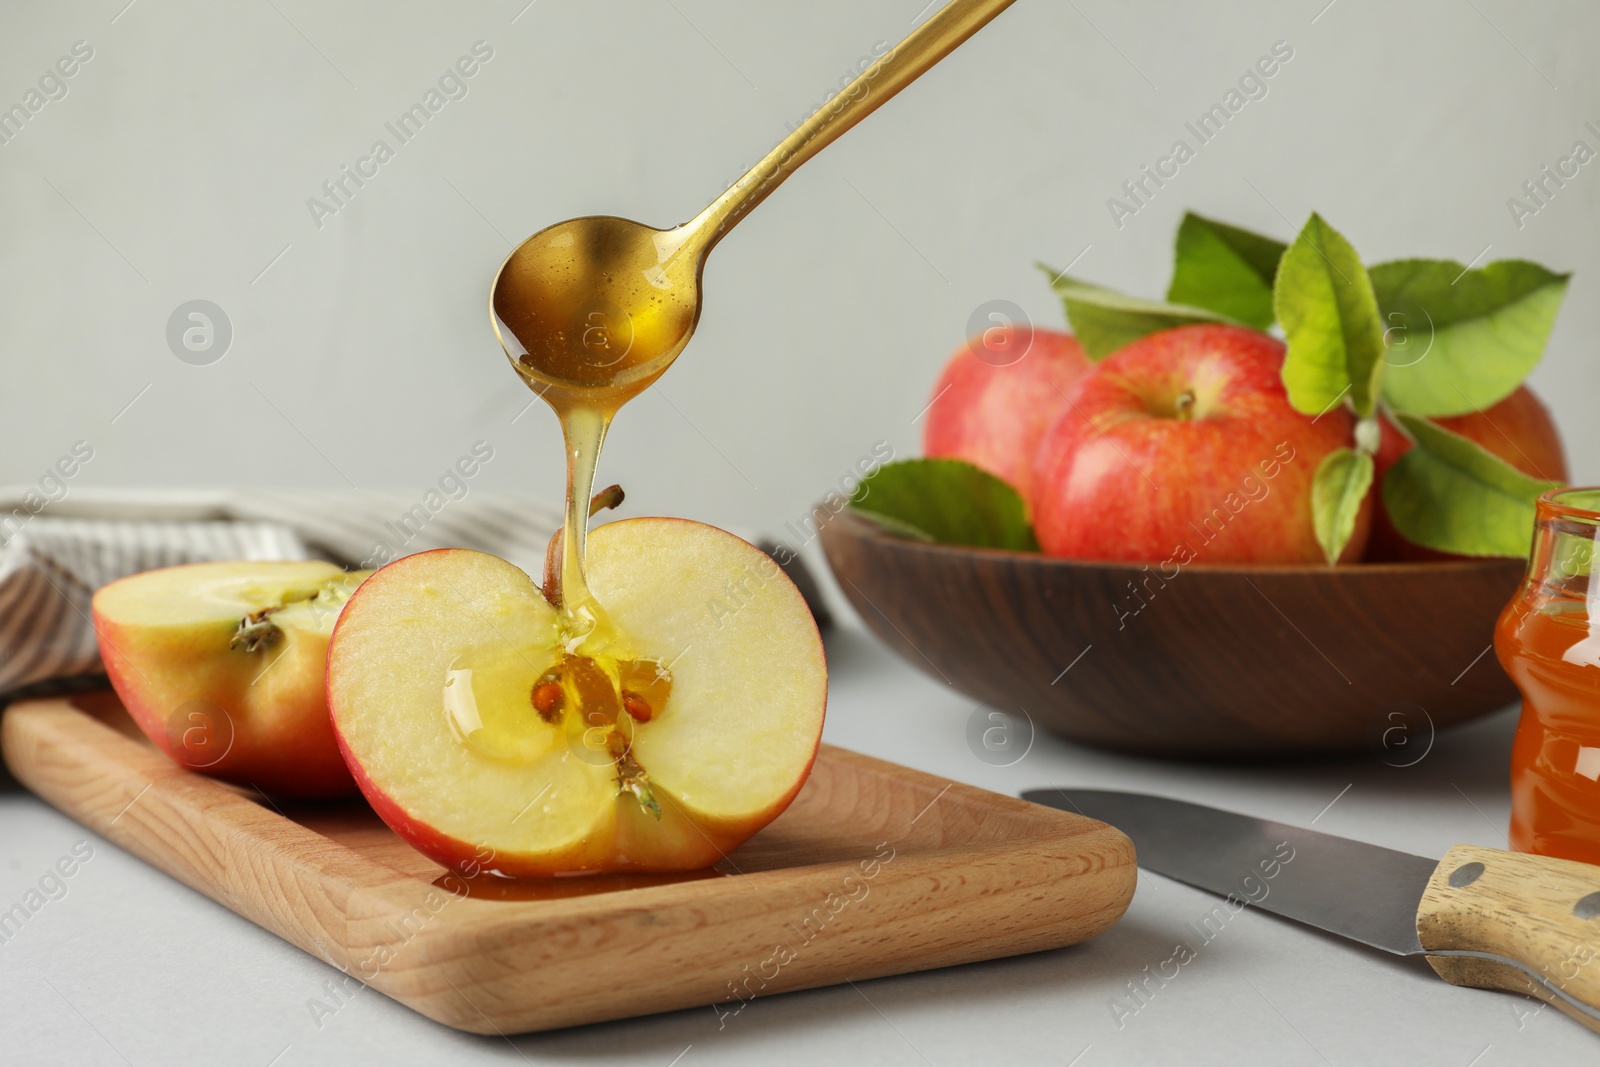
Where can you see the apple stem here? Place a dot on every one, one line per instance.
(609, 497)
(1183, 406)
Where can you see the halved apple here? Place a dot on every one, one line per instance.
(222, 665)
(489, 739)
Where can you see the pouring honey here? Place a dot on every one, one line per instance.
(591, 311)
(1548, 640)
(591, 315)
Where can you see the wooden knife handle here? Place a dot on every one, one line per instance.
(1518, 922)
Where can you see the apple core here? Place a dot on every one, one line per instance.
(519, 705)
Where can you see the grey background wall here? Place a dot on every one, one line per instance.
(179, 162)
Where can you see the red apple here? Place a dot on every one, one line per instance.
(997, 395)
(489, 737)
(1183, 447)
(1518, 429)
(222, 666)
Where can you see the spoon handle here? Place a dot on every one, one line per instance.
(894, 70)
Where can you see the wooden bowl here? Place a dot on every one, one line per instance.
(1219, 662)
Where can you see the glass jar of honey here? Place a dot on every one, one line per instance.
(1548, 640)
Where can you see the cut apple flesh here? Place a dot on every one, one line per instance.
(222, 666)
(485, 734)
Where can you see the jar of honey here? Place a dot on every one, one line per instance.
(1548, 640)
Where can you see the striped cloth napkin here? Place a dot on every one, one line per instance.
(55, 554)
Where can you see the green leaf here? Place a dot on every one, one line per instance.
(945, 500)
(1341, 483)
(1324, 300)
(1450, 494)
(1104, 320)
(1225, 269)
(1460, 340)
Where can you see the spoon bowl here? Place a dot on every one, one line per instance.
(597, 302)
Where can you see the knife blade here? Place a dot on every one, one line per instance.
(1482, 917)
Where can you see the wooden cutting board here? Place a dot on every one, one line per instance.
(876, 869)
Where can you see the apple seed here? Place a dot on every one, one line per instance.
(648, 679)
(548, 697)
(636, 705)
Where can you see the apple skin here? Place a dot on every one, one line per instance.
(695, 844)
(277, 731)
(1120, 476)
(1518, 429)
(993, 416)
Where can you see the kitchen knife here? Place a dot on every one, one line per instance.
(1482, 917)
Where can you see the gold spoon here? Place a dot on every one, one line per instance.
(592, 310)
(604, 305)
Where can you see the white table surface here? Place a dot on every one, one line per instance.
(130, 967)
